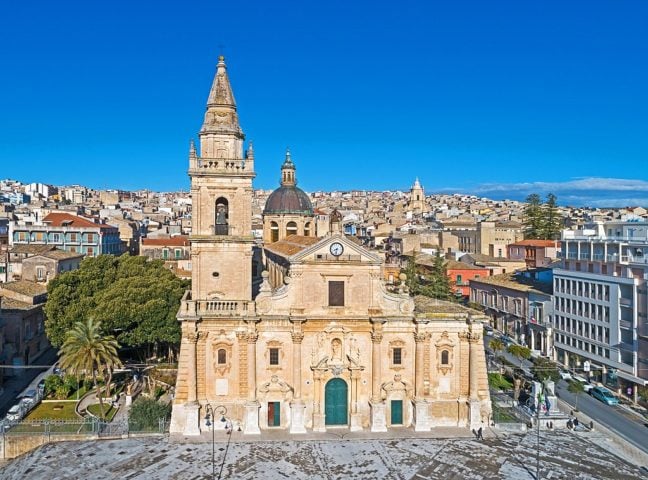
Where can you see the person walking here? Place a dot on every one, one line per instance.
(480, 435)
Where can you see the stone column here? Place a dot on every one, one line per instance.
(297, 406)
(378, 418)
(319, 418)
(356, 418)
(474, 403)
(421, 406)
(192, 408)
(251, 423)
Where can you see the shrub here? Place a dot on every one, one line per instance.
(145, 414)
(52, 383)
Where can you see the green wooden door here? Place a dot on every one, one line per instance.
(396, 412)
(335, 398)
(274, 414)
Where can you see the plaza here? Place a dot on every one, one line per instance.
(563, 455)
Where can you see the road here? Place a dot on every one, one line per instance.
(14, 386)
(626, 424)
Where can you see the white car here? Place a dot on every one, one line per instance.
(565, 375)
(29, 398)
(14, 414)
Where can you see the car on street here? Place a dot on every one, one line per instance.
(29, 398)
(15, 413)
(587, 387)
(565, 375)
(488, 330)
(604, 395)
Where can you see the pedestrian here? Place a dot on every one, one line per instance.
(569, 424)
(480, 435)
(575, 422)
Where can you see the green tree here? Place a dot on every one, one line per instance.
(145, 414)
(520, 352)
(552, 222)
(576, 388)
(496, 345)
(134, 299)
(533, 217)
(411, 272)
(544, 369)
(87, 351)
(439, 285)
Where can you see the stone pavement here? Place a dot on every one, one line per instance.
(563, 455)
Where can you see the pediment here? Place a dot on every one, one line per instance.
(351, 252)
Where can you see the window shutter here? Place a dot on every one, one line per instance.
(336, 294)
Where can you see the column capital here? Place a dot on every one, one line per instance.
(252, 337)
(421, 337)
(376, 337)
(193, 337)
(297, 337)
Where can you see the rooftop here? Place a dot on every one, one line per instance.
(427, 305)
(175, 241)
(291, 245)
(24, 287)
(515, 282)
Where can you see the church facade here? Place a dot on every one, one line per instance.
(320, 342)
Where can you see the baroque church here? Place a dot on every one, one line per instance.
(302, 333)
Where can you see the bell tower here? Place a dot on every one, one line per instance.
(221, 190)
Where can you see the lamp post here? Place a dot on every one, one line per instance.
(210, 420)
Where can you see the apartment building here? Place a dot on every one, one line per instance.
(600, 303)
(70, 233)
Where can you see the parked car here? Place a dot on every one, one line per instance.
(15, 413)
(604, 396)
(565, 375)
(29, 398)
(488, 330)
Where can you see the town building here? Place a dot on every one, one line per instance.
(70, 233)
(518, 305)
(601, 310)
(535, 253)
(323, 344)
(22, 322)
(174, 251)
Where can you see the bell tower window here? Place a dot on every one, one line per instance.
(222, 217)
(291, 228)
(274, 232)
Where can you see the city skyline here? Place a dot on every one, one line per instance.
(506, 101)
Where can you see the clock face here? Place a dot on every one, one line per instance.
(336, 249)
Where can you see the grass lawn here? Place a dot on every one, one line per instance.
(54, 411)
(110, 412)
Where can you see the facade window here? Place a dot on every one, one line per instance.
(222, 356)
(56, 237)
(90, 237)
(291, 228)
(165, 253)
(336, 293)
(274, 356)
(73, 237)
(397, 356)
(39, 237)
(178, 253)
(445, 357)
(90, 251)
(274, 232)
(40, 273)
(459, 280)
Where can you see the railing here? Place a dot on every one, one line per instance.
(216, 307)
(228, 165)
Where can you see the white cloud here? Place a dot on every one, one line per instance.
(586, 183)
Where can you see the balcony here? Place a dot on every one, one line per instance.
(215, 308)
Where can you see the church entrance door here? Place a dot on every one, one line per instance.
(335, 398)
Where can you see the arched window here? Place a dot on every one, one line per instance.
(445, 357)
(274, 232)
(221, 217)
(307, 229)
(222, 356)
(291, 228)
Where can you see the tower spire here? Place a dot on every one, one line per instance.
(221, 116)
(288, 171)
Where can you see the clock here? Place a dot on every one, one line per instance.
(336, 249)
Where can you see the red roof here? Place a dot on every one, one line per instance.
(69, 220)
(535, 243)
(175, 241)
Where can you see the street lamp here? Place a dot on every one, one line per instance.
(210, 420)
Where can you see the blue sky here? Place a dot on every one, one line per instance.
(489, 97)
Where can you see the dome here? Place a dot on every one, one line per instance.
(288, 199)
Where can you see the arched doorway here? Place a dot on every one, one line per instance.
(335, 400)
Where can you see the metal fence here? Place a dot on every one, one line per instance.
(80, 427)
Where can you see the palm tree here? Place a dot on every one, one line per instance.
(86, 350)
(520, 352)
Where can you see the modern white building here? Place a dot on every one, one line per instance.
(601, 303)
